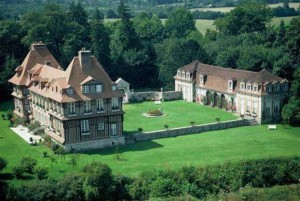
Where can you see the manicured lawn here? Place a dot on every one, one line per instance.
(199, 149)
(178, 114)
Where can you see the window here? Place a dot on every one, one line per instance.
(100, 105)
(114, 88)
(114, 129)
(254, 108)
(242, 86)
(84, 127)
(255, 88)
(248, 105)
(276, 107)
(98, 88)
(87, 107)
(86, 89)
(178, 73)
(201, 79)
(268, 108)
(26, 92)
(187, 76)
(72, 108)
(115, 104)
(276, 88)
(268, 89)
(248, 87)
(100, 126)
(70, 91)
(230, 85)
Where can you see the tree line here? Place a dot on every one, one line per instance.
(147, 52)
(95, 181)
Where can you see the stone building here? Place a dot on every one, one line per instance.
(80, 107)
(256, 94)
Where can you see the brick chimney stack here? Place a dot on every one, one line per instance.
(85, 59)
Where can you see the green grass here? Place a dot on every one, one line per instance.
(178, 114)
(199, 149)
(228, 9)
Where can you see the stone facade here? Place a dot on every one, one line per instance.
(155, 95)
(259, 95)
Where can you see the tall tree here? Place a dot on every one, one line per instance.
(77, 14)
(100, 40)
(245, 18)
(180, 23)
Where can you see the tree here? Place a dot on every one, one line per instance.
(70, 187)
(100, 41)
(291, 111)
(174, 53)
(180, 23)
(293, 40)
(149, 28)
(98, 181)
(28, 163)
(77, 14)
(41, 172)
(246, 18)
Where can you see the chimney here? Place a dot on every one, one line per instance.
(85, 59)
(47, 63)
(38, 45)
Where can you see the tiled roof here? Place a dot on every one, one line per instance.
(55, 81)
(218, 77)
(38, 54)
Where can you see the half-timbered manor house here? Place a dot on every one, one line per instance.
(80, 107)
(256, 94)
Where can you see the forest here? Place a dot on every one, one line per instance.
(146, 52)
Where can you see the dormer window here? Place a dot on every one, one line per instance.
(183, 75)
(86, 89)
(268, 89)
(242, 86)
(276, 88)
(98, 88)
(114, 88)
(255, 88)
(201, 79)
(230, 85)
(187, 76)
(248, 87)
(178, 74)
(70, 91)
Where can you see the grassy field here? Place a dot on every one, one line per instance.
(228, 9)
(199, 149)
(202, 25)
(178, 114)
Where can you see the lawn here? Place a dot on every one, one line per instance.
(199, 149)
(178, 114)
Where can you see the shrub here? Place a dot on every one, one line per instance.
(218, 119)
(41, 172)
(54, 148)
(3, 116)
(3, 163)
(140, 130)
(45, 154)
(164, 187)
(192, 123)
(19, 171)
(9, 114)
(28, 163)
(166, 126)
(33, 125)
